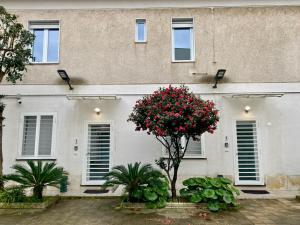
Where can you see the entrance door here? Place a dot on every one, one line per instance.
(98, 153)
(248, 170)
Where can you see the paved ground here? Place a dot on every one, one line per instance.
(103, 212)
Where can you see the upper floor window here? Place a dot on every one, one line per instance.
(140, 30)
(46, 43)
(38, 135)
(182, 39)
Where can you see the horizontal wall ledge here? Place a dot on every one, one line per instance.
(142, 89)
(136, 4)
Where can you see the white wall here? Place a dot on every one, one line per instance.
(278, 119)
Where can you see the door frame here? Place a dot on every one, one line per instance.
(85, 150)
(259, 155)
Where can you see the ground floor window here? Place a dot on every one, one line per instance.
(195, 149)
(38, 135)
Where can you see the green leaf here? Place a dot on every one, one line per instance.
(234, 203)
(220, 192)
(225, 180)
(196, 198)
(216, 183)
(209, 193)
(227, 198)
(184, 192)
(213, 206)
(162, 202)
(150, 196)
(190, 182)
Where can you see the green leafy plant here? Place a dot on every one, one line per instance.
(132, 177)
(15, 54)
(142, 184)
(12, 195)
(37, 176)
(218, 193)
(155, 193)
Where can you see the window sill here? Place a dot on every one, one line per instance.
(36, 158)
(140, 42)
(183, 61)
(44, 63)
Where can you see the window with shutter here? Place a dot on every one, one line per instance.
(37, 135)
(194, 148)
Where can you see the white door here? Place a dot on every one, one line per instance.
(97, 163)
(248, 166)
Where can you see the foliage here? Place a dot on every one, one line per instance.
(155, 193)
(15, 53)
(218, 193)
(132, 177)
(170, 114)
(142, 183)
(15, 42)
(12, 195)
(63, 186)
(37, 176)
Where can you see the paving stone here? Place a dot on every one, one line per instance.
(104, 212)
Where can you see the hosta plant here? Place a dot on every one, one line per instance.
(155, 193)
(218, 193)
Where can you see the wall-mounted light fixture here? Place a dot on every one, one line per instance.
(97, 110)
(63, 74)
(19, 98)
(247, 108)
(219, 76)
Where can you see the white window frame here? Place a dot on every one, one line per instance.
(45, 25)
(136, 30)
(192, 38)
(186, 156)
(21, 133)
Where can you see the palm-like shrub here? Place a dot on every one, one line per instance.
(37, 176)
(132, 177)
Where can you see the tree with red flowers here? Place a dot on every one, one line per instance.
(171, 114)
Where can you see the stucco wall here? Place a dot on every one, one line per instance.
(97, 46)
(278, 126)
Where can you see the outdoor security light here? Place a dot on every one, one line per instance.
(63, 74)
(247, 108)
(219, 76)
(97, 110)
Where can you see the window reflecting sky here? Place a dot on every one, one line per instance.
(38, 45)
(141, 31)
(182, 38)
(53, 45)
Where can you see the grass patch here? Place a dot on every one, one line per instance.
(31, 203)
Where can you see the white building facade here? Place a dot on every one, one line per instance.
(116, 53)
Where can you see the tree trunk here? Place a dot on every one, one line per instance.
(173, 183)
(1, 155)
(38, 192)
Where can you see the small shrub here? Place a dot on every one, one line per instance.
(155, 193)
(12, 195)
(37, 176)
(218, 193)
(142, 184)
